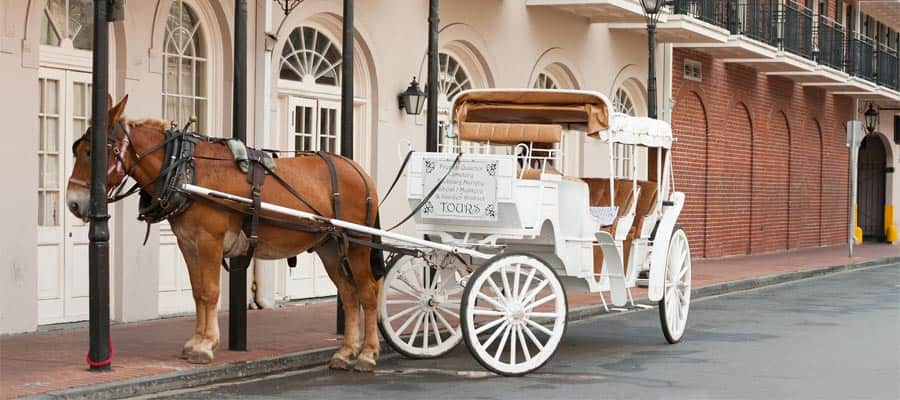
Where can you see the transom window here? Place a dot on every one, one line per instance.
(622, 152)
(545, 81)
(185, 64)
(310, 57)
(68, 24)
(452, 79)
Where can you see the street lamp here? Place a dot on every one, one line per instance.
(412, 99)
(871, 119)
(652, 10)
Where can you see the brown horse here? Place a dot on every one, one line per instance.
(206, 233)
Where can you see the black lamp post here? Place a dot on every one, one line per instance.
(652, 10)
(412, 99)
(871, 119)
(431, 139)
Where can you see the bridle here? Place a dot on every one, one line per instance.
(118, 143)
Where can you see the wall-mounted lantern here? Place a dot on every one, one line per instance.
(412, 99)
(871, 119)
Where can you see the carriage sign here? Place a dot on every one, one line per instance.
(469, 192)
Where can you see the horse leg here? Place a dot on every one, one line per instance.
(367, 289)
(203, 256)
(345, 356)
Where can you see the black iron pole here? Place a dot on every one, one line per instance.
(237, 303)
(651, 71)
(346, 113)
(431, 139)
(100, 353)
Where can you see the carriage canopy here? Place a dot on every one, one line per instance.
(524, 111)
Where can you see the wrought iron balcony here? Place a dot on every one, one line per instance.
(830, 43)
(709, 11)
(861, 57)
(756, 19)
(888, 69)
(797, 29)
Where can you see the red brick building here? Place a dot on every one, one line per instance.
(762, 94)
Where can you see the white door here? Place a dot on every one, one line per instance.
(175, 296)
(313, 125)
(65, 109)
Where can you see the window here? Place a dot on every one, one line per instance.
(49, 159)
(452, 79)
(185, 66)
(622, 153)
(310, 57)
(693, 70)
(68, 24)
(544, 81)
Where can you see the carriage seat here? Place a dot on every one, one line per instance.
(600, 196)
(512, 134)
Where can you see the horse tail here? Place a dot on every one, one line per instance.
(376, 257)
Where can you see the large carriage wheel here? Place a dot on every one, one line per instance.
(676, 301)
(419, 312)
(513, 314)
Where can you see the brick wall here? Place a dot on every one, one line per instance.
(762, 160)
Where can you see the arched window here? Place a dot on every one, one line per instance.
(545, 81)
(311, 57)
(68, 24)
(452, 79)
(184, 91)
(622, 103)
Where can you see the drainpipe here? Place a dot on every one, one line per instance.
(265, 270)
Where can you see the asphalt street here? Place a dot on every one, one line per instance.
(834, 337)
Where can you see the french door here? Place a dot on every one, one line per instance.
(62, 250)
(313, 125)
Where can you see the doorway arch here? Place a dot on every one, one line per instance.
(871, 186)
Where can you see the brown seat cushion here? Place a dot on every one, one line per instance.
(510, 133)
(599, 197)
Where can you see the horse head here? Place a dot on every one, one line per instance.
(78, 191)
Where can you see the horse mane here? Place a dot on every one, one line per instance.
(149, 123)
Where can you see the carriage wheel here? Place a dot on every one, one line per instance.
(419, 312)
(513, 314)
(676, 301)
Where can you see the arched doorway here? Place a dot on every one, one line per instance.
(871, 188)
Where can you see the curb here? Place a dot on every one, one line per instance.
(319, 357)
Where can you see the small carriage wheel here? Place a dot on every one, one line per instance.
(676, 301)
(418, 314)
(513, 314)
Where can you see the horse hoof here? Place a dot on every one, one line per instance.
(364, 364)
(185, 353)
(200, 357)
(340, 362)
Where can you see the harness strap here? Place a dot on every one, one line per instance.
(396, 178)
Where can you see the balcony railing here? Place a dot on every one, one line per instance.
(861, 57)
(709, 11)
(888, 67)
(830, 43)
(797, 29)
(791, 27)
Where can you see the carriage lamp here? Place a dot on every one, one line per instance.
(871, 119)
(288, 5)
(412, 99)
(652, 7)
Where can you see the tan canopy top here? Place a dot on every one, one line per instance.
(533, 106)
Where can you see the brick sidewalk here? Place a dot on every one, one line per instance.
(47, 361)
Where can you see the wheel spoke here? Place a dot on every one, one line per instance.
(513, 339)
(427, 321)
(448, 310)
(515, 289)
(437, 331)
(524, 345)
(527, 283)
(444, 321)
(496, 334)
(483, 328)
(412, 337)
(402, 328)
(535, 291)
(533, 338)
(401, 302)
(542, 315)
(411, 292)
(494, 287)
(402, 313)
(486, 312)
(491, 301)
(503, 340)
(539, 327)
(506, 290)
(540, 302)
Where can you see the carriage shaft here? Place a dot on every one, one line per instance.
(201, 191)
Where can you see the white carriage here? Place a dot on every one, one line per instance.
(509, 229)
